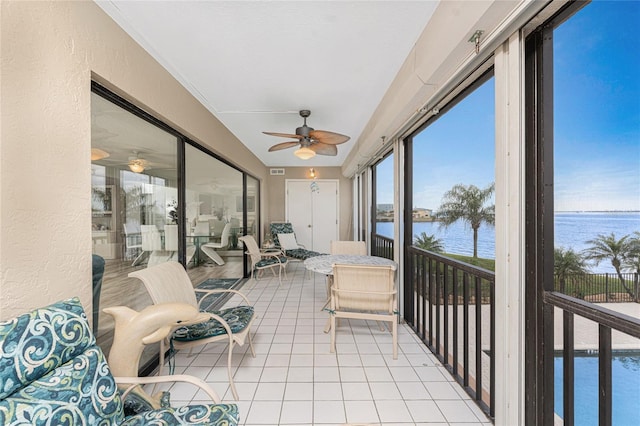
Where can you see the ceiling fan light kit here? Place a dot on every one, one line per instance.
(304, 153)
(138, 165)
(98, 154)
(311, 141)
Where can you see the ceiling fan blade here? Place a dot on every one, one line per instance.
(324, 149)
(284, 145)
(284, 135)
(331, 138)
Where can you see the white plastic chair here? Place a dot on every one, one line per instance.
(168, 282)
(364, 292)
(152, 244)
(210, 248)
(202, 228)
(171, 241)
(264, 259)
(133, 242)
(348, 247)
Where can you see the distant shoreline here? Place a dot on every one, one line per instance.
(431, 219)
(421, 219)
(597, 211)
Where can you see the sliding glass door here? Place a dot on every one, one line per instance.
(214, 214)
(156, 197)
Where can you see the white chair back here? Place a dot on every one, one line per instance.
(167, 282)
(217, 226)
(226, 232)
(171, 237)
(151, 240)
(252, 247)
(132, 237)
(348, 247)
(364, 288)
(202, 228)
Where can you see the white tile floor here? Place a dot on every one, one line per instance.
(295, 380)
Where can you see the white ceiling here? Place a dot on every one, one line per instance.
(255, 64)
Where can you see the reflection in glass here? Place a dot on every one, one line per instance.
(214, 213)
(133, 212)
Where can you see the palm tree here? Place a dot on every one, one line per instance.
(567, 263)
(608, 247)
(467, 203)
(428, 242)
(631, 262)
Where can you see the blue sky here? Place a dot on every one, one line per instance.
(597, 108)
(597, 121)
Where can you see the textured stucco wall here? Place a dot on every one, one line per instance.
(49, 53)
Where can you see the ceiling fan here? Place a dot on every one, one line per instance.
(311, 141)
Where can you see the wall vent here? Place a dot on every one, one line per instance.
(276, 172)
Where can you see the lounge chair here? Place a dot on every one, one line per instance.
(285, 239)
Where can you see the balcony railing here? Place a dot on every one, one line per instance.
(606, 321)
(450, 306)
(600, 288)
(382, 246)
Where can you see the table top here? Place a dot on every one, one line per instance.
(324, 264)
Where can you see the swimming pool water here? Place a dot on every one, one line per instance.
(625, 370)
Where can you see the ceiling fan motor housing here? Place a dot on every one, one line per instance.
(322, 142)
(304, 129)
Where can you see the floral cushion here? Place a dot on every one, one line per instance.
(219, 414)
(301, 254)
(237, 317)
(268, 261)
(53, 372)
(280, 228)
(287, 228)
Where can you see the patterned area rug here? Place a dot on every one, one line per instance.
(215, 301)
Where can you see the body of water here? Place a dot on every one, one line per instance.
(625, 369)
(572, 230)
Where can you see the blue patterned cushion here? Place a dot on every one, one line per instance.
(280, 228)
(137, 402)
(302, 254)
(219, 414)
(287, 228)
(271, 261)
(237, 317)
(53, 372)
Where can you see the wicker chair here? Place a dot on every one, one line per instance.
(364, 292)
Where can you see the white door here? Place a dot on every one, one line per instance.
(312, 209)
(298, 213)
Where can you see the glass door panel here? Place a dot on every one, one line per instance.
(214, 215)
(133, 204)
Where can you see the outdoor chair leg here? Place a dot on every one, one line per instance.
(394, 326)
(332, 324)
(253, 352)
(232, 385)
(162, 351)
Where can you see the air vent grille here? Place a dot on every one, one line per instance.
(276, 172)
